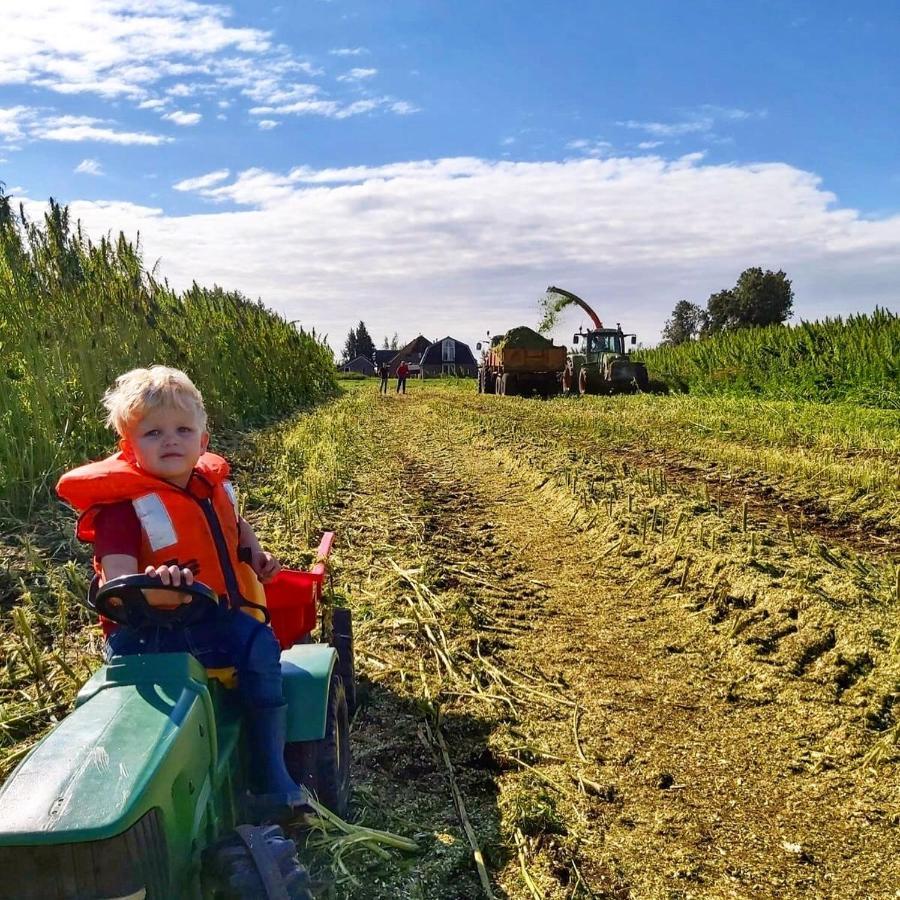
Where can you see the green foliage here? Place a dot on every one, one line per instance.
(359, 343)
(686, 323)
(759, 298)
(74, 315)
(856, 360)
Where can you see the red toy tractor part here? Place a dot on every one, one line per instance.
(293, 597)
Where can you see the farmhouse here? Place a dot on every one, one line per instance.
(448, 356)
(360, 364)
(412, 353)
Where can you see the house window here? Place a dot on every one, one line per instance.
(448, 350)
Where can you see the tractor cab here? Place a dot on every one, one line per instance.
(606, 340)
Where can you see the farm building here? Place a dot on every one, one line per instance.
(360, 364)
(384, 357)
(412, 353)
(449, 356)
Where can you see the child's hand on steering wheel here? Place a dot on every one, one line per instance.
(174, 576)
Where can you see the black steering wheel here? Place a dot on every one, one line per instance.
(134, 611)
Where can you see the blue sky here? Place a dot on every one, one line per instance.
(432, 166)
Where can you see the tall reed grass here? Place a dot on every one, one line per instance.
(855, 360)
(74, 314)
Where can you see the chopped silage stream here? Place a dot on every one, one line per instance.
(626, 692)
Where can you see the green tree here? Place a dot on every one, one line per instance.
(365, 346)
(758, 298)
(686, 323)
(351, 346)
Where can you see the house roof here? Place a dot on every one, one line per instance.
(384, 356)
(433, 355)
(360, 361)
(417, 346)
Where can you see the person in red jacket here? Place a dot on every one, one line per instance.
(402, 372)
(164, 506)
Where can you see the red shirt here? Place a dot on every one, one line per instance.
(118, 531)
(402, 370)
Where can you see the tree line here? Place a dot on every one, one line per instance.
(359, 343)
(759, 298)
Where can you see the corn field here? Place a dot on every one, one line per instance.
(75, 314)
(856, 360)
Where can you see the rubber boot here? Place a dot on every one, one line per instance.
(277, 796)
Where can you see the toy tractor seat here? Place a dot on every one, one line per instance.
(292, 599)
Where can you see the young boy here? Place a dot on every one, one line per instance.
(163, 506)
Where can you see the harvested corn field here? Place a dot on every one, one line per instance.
(608, 674)
(629, 647)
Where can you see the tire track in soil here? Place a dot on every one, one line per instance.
(692, 793)
(424, 515)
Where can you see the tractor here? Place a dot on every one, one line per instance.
(142, 791)
(601, 365)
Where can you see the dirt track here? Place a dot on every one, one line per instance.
(721, 729)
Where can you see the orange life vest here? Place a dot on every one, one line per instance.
(194, 527)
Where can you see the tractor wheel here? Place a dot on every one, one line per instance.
(342, 641)
(567, 380)
(256, 863)
(324, 766)
(582, 382)
(480, 380)
(500, 385)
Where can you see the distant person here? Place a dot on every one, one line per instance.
(384, 371)
(402, 372)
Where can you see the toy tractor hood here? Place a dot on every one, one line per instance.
(140, 738)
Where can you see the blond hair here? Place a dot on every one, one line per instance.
(141, 390)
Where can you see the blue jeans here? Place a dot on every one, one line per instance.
(229, 638)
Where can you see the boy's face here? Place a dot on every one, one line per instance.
(167, 442)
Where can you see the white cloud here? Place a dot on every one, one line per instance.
(20, 123)
(431, 244)
(650, 145)
(268, 124)
(202, 181)
(89, 167)
(358, 75)
(402, 108)
(671, 129)
(77, 133)
(15, 121)
(116, 47)
(590, 147)
(179, 117)
(349, 51)
(332, 109)
(700, 121)
(128, 49)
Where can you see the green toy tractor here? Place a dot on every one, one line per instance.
(601, 364)
(142, 792)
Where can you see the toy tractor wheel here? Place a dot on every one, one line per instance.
(257, 863)
(341, 639)
(324, 766)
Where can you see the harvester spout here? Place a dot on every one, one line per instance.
(575, 299)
